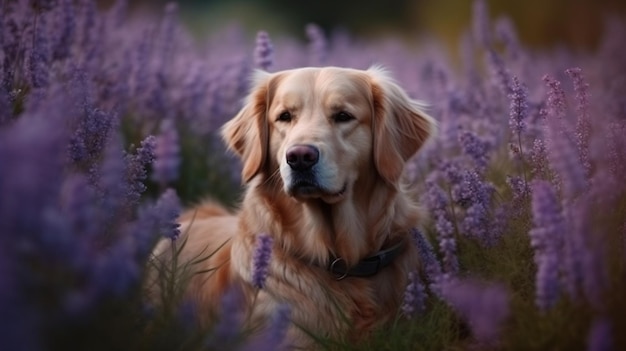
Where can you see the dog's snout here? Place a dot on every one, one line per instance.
(302, 157)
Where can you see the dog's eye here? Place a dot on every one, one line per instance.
(342, 117)
(284, 117)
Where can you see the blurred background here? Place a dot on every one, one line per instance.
(541, 23)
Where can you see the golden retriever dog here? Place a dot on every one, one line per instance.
(323, 152)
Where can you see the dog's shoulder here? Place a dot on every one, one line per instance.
(206, 209)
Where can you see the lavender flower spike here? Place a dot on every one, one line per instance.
(519, 107)
(476, 148)
(556, 98)
(414, 296)
(432, 267)
(167, 154)
(583, 125)
(546, 239)
(169, 207)
(264, 51)
(261, 259)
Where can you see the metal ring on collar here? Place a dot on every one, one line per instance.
(333, 267)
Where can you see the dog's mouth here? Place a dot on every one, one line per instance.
(306, 189)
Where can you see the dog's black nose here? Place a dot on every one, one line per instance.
(302, 157)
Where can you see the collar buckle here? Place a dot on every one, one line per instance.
(368, 266)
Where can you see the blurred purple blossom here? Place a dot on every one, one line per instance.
(600, 337)
(318, 45)
(261, 259)
(583, 124)
(40, 53)
(556, 103)
(227, 330)
(484, 307)
(500, 73)
(563, 159)
(165, 169)
(65, 19)
(481, 23)
(264, 51)
(273, 336)
(168, 209)
(546, 240)
(438, 205)
(506, 33)
(586, 263)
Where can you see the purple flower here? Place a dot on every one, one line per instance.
(39, 56)
(546, 239)
(564, 160)
(168, 208)
(499, 71)
(556, 106)
(264, 51)
(167, 155)
(538, 159)
(155, 221)
(65, 20)
(518, 108)
(476, 222)
(118, 13)
(583, 125)
(261, 259)
(519, 187)
(481, 23)
(471, 189)
(77, 202)
(272, 338)
(318, 50)
(229, 326)
(451, 172)
(600, 337)
(484, 307)
(428, 258)
(110, 178)
(505, 31)
(91, 135)
(137, 164)
(168, 29)
(115, 271)
(90, 35)
(414, 296)
(615, 148)
(586, 257)
(476, 148)
(438, 203)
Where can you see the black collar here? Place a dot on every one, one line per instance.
(368, 266)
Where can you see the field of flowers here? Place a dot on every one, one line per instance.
(109, 126)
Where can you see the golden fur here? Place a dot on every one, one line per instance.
(357, 205)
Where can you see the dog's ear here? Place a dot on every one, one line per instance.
(247, 133)
(400, 125)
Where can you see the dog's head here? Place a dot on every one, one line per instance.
(322, 129)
